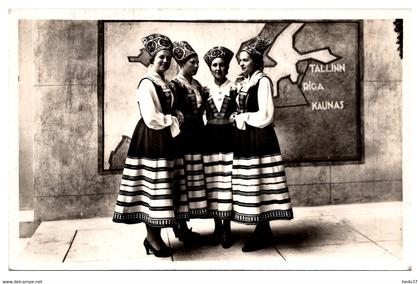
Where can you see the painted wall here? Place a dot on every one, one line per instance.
(64, 127)
(306, 132)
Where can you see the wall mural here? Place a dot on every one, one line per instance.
(315, 67)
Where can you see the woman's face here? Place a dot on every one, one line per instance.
(191, 66)
(246, 63)
(162, 61)
(218, 69)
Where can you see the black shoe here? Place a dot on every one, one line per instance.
(257, 243)
(215, 239)
(254, 245)
(190, 238)
(227, 240)
(163, 252)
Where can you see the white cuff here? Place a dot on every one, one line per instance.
(175, 127)
(204, 118)
(240, 120)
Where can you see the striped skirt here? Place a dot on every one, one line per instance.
(259, 184)
(146, 190)
(218, 161)
(190, 189)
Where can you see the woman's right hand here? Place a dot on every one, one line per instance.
(179, 116)
(206, 90)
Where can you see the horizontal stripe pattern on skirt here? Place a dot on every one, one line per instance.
(146, 193)
(190, 189)
(259, 189)
(218, 178)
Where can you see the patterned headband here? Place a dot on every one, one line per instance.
(182, 50)
(218, 52)
(257, 46)
(156, 42)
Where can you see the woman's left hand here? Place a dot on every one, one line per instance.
(232, 117)
(240, 120)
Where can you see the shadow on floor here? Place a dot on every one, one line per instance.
(298, 236)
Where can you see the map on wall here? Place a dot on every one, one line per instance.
(315, 68)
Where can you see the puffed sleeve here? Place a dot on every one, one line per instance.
(265, 114)
(151, 110)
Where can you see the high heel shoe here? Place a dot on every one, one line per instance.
(188, 237)
(254, 244)
(163, 252)
(258, 241)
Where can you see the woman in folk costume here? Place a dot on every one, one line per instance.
(260, 192)
(191, 198)
(146, 193)
(218, 147)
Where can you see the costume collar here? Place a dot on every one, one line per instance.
(194, 85)
(155, 77)
(251, 80)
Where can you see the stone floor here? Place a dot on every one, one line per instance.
(340, 237)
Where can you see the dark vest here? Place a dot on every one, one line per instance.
(248, 101)
(164, 97)
(186, 102)
(228, 107)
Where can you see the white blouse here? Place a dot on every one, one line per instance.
(265, 114)
(150, 108)
(218, 93)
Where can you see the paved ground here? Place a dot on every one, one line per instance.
(340, 237)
